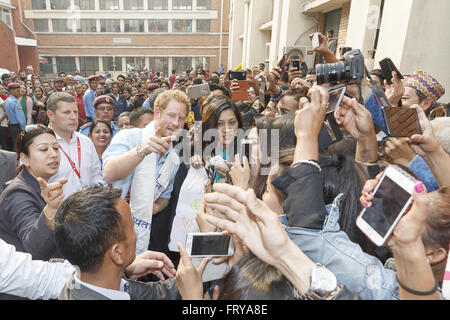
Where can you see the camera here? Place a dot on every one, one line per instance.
(351, 69)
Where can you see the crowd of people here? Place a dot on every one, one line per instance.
(103, 179)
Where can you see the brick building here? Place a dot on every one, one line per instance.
(17, 39)
(94, 36)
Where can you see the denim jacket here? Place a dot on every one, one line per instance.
(359, 272)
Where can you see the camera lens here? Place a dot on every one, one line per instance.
(330, 72)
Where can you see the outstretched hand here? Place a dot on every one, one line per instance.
(52, 193)
(189, 279)
(250, 219)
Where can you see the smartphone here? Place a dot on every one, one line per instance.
(245, 150)
(387, 66)
(240, 96)
(283, 61)
(330, 132)
(238, 75)
(199, 90)
(209, 244)
(315, 40)
(401, 122)
(336, 95)
(296, 62)
(392, 198)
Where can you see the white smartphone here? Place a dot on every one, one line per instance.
(392, 197)
(315, 40)
(219, 162)
(209, 244)
(336, 96)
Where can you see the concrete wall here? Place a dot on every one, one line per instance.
(236, 45)
(417, 38)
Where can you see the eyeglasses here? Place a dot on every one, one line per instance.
(105, 108)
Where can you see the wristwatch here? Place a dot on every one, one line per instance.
(323, 285)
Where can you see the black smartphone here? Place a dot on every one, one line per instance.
(330, 132)
(387, 66)
(296, 62)
(238, 75)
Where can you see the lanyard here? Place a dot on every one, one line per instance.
(78, 173)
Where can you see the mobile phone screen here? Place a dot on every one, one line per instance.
(335, 99)
(388, 202)
(210, 245)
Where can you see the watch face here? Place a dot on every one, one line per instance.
(323, 279)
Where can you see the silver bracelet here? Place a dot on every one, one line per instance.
(312, 163)
(140, 151)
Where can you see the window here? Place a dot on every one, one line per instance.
(110, 25)
(203, 4)
(45, 65)
(182, 5)
(202, 63)
(85, 4)
(86, 25)
(136, 62)
(66, 64)
(60, 4)
(157, 5)
(159, 64)
(62, 25)
(40, 25)
(134, 25)
(109, 4)
(88, 66)
(38, 5)
(112, 63)
(6, 17)
(158, 25)
(182, 25)
(203, 25)
(182, 64)
(134, 5)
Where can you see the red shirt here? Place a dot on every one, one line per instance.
(81, 111)
(172, 80)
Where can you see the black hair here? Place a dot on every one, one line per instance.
(5, 76)
(197, 81)
(96, 123)
(25, 139)
(87, 224)
(214, 87)
(213, 81)
(252, 279)
(136, 114)
(331, 31)
(379, 74)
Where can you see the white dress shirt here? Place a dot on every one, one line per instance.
(23, 277)
(110, 294)
(91, 173)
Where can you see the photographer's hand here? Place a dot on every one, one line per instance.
(396, 90)
(323, 49)
(308, 123)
